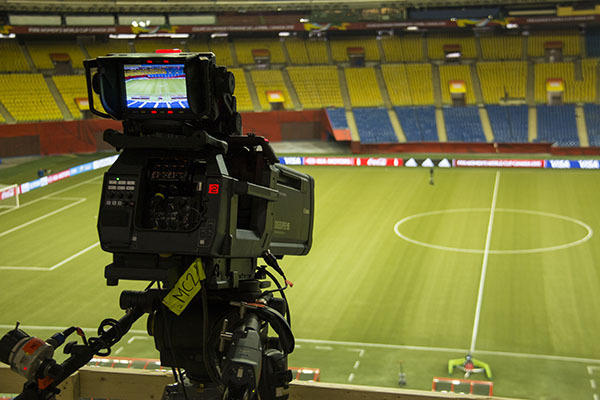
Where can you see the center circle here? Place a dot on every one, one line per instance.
(588, 228)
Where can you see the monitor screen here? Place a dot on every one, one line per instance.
(155, 86)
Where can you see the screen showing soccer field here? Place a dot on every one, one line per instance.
(155, 86)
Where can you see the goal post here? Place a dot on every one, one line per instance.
(465, 386)
(9, 196)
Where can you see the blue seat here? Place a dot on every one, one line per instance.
(418, 123)
(463, 124)
(374, 125)
(509, 123)
(337, 116)
(592, 42)
(557, 124)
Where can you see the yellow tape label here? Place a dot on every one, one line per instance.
(187, 286)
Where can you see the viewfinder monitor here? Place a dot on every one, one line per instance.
(155, 86)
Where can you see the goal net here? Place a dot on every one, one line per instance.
(465, 386)
(9, 196)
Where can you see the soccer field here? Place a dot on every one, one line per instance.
(501, 263)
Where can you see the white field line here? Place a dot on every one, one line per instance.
(592, 368)
(55, 266)
(353, 344)
(486, 253)
(351, 377)
(33, 221)
(51, 195)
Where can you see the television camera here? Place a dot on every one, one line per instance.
(195, 207)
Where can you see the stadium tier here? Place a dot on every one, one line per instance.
(71, 88)
(501, 47)
(538, 41)
(592, 121)
(27, 98)
(363, 88)
(267, 81)
(575, 90)
(337, 117)
(439, 45)
(317, 87)
(297, 52)
(340, 47)
(317, 51)
(408, 84)
(463, 124)
(509, 123)
(46, 54)
(403, 48)
(374, 125)
(418, 123)
(247, 49)
(97, 49)
(592, 42)
(151, 45)
(220, 47)
(242, 95)
(502, 80)
(556, 124)
(12, 57)
(462, 73)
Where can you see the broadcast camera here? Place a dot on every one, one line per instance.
(192, 205)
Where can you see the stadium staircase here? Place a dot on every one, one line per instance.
(5, 115)
(441, 125)
(344, 89)
(252, 90)
(58, 99)
(532, 125)
(290, 87)
(592, 121)
(581, 126)
(485, 125)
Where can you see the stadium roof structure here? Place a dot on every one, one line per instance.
(183, 6)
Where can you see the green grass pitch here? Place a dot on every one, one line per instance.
(156, 87)
(365, 299)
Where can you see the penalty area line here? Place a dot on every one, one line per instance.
(55, 266)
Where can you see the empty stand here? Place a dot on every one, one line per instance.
(72, 87)
(270, 80)
(244, 101)
(317, 51)
(339, 48)
(45, 54)
(500, 47)
(97, 49)
(408, 84)
(337, 117)
(12, 57)
(592, 42)
(592, 121)
(317, 87)
(27, 98)
(509, 123)
(556, 124)
(220, 47)
(436, 43)
(583, 90)
(374, 125)
(402, 48)
(502, 80)
(363, 88)
(297, 52)
(244, 48)
(569, 40)
(418, 123)
(463, 124)
(456, 73)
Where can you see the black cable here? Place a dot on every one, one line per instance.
(207, 363)
(288, 314)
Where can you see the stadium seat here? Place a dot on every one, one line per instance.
(70, 88)
(337, 117)
(151, 45)
(499, 47)
(436, 43)
(408, 84)
(242, 95)
(418, 123)
(339, 48)
(363, 88)
(463, 124)
(402, 48)
(575, 90)
(502, 79)
(27, 98)
(569, 39)
(592, 42)
(374, 125)
(317, 87)
(296, 49)
(244, 47)
(270, 80)
(509, 123)
(556, 124)
(102, 48)
(41, 53)
(13, 59)
(592, 122)
(456, 72)
(317, 51)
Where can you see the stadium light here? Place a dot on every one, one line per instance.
(219, 35)
(134, 24)
(9, 36)
(303, 20)
(284, 34)
(512, 26)
(412, 28)
(122, 36)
